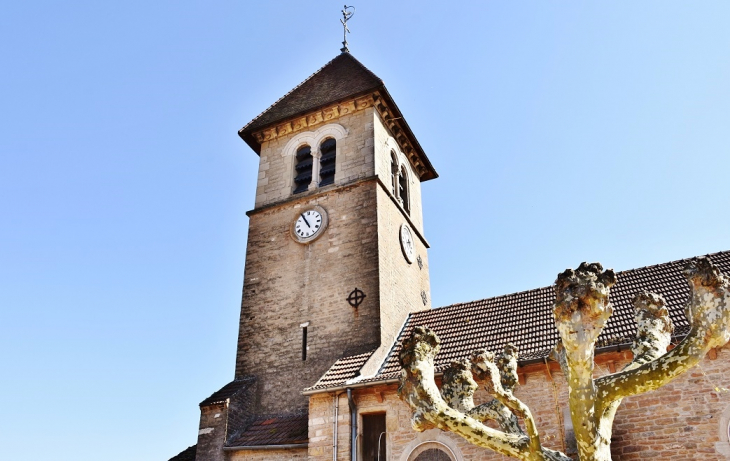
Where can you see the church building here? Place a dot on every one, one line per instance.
(337, 276)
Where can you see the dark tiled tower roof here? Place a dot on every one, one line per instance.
(341, 79)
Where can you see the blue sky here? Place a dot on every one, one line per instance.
(562, 131)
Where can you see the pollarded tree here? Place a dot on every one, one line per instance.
(581, 310)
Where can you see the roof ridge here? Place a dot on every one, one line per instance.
(672, 262)
(278, 415)
(287, 94)
(361, 65)
(305, 81)
(667, 263)
(358, 355)
(483, 299)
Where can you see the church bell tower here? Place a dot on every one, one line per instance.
(336, 256)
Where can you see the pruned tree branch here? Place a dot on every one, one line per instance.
(499, 379)
(581, 310)
(419, 390)
(458, 386)
(654, 328)
(653, 335)
(451, 409)
(708, 312)
(495, 409)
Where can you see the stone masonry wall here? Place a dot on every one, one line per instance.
(403, 285)
(321, 427)
(685, 420)
(212, 432)
(401, 282)
(287, 284)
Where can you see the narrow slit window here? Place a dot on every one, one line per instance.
(303, 169)
(304, 343)
(328, 149)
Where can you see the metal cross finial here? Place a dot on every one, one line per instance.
(346, 15)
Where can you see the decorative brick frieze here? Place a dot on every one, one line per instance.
(314, 118)
(284, 129)
(399, 134)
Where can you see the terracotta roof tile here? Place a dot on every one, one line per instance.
(274, 430)
(343, 369)
(525, 319)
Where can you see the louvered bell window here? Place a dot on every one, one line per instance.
(303, 169)
(394, 173)
(328, 149)
(403, 190)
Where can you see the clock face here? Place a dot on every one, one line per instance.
(408, 245)
(309, 224)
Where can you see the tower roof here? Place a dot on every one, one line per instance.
(342, 78)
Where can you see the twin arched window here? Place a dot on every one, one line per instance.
(399, 179)
(308, 167)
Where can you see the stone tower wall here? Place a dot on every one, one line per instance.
(287, 284)
(401, 282)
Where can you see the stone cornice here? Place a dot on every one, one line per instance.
(395, 125)
(314, 118)
(309, 196)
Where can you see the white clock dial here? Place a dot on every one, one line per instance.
(408, 245)
(309, 224)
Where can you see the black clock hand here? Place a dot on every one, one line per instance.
(305, 220)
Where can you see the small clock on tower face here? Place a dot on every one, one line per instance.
(408, 245)
(309, 224)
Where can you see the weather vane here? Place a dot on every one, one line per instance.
(346, 15)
